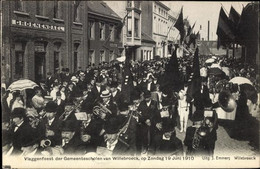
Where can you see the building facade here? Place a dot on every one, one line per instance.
(105, 40)
(46, 36)
(41, 37)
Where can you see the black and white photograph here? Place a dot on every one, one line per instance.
(130, 84)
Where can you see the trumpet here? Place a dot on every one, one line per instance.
(47, 143)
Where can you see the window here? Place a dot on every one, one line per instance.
(39, 8)
(102, 56)
(20, 5)
(155, 8)
(19, 57)
(91, 58)
(102, 31)
(57, 9)
(91, 29)
(57, 58)
(76, 11)
(154, 25)
(159, 11)
(137, 4)
(129, 4)
(111, 55)
(76, 60)
(129, 26)
(111, 32)
(136, 27)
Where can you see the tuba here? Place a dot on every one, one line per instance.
(225, 99)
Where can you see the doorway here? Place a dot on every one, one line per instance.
(39, 66)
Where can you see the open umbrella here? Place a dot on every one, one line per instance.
(22, 85)
(240, 80)
(211, 60)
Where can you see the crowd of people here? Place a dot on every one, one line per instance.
(95, 112)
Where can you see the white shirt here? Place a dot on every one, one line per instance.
(112, 146)
(149, 86)
(148, 104)
(164, 138)
(50, 121)
(53, 94)
(16, 127)
(114, 93)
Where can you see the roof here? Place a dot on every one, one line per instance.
(163, 5)
(147, 38)
(100, 7)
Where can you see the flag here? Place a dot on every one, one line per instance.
(234, 18)
(179, 24)
(127, 83)
(172, 79)
(195, 85)
(189, 35)
(224, 31)
(248, 30)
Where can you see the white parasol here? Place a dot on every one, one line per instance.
(22, 85)
(240, 80)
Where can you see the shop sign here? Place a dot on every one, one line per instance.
(38, 25)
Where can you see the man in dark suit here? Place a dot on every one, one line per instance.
(107, 103)
(70, 139)
(148, 108)
(98, 89)
(50, 126)
(49, 81)
(116, 95)
(21, 133)
(168, 144)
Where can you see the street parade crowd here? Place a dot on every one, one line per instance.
(130, 108)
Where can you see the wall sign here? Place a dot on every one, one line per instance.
(37, 25)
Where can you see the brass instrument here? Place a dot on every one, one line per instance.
(199, 134)
(98, 109)
(225, 99)
(47, 143)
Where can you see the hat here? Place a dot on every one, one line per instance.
(114, 84)
(112, 125)
(198, 115)
(123, 106)
(147, 94)
(69, 102)
(18, 112)
(74, 79)
(82, 74)
(105, 93)
(51, 106)
(68, 125)
(165, 102)
(88, 108)
(168, 125)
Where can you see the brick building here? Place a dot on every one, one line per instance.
(46, 36)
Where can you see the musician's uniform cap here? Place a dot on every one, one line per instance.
(105, 94)
(18, 112)
(68, 125)
(112, 125)
(51, 106)
(74, 79)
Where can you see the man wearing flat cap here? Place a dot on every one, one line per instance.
(21, 133)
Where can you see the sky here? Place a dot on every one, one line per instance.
(201, 12)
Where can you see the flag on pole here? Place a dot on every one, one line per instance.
(179, 24)
(234, 18)
(172, 79)
(195, 85)
(224, 31)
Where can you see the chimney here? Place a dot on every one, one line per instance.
(208, 30)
